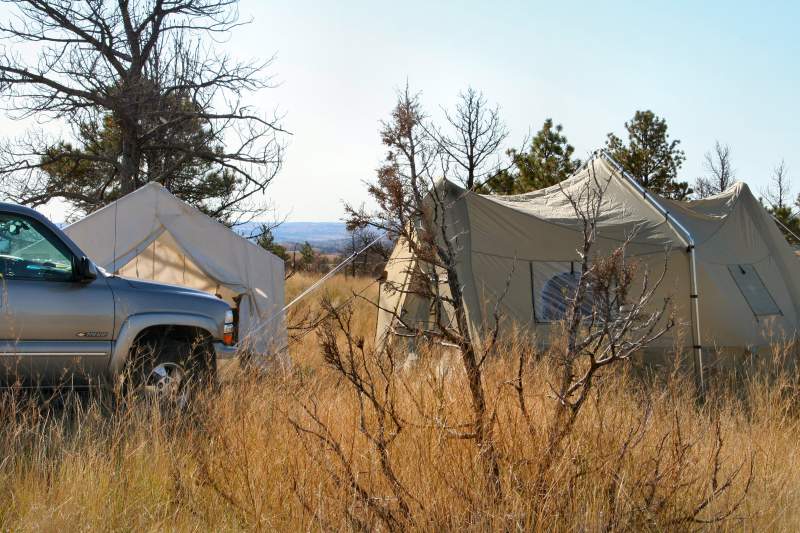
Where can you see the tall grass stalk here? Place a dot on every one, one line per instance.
(642, 455)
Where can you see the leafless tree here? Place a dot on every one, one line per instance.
(612, 314)
(413, 207)
(371, 254)
(147, 93)
(623, 318)
(779, 190)
(719, 172)
(473, 139)
(371, 376)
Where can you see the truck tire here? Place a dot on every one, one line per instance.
(172, 371)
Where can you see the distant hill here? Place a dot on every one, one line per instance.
(325, 236)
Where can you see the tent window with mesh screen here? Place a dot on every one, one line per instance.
(753, 290)
(554, 287)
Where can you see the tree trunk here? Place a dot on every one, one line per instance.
(130, 157)
(484, 438)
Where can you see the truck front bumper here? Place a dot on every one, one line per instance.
(224, 352)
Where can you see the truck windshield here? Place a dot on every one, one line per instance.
(28, 250)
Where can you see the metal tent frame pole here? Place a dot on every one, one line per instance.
(694, 296)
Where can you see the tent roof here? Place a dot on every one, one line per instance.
(623, 207)
(122, 230)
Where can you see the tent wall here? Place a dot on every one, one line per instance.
(164, 261)
(510, 247)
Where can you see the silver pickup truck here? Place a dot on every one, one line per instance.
(64, 321)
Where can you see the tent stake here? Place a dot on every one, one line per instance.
(694, 296)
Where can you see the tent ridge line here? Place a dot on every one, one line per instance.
(684, 233)
(725, 220)
(727, 217)
(561, 259)
(694, 296)
(485, 197)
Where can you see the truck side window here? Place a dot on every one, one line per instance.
(29, 251)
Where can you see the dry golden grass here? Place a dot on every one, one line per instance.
(641, 457)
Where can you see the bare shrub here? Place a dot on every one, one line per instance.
(640, 456)
(413, 207)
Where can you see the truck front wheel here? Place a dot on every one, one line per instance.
(171, 371)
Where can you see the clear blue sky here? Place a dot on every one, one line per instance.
(714, 70)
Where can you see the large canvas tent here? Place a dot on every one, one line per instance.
(733, 279)
(152, 235)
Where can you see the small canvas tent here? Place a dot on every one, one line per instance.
(152, 235)
(732, 277)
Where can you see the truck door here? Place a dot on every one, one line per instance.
(53, 329)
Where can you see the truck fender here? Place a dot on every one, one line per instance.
(135, 324)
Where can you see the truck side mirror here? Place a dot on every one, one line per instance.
(85, 270)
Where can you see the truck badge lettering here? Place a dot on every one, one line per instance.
(93, 334)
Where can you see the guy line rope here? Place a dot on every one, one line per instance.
(316, 285)
(781, 224)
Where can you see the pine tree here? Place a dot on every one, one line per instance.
(650, 156)
(548, 162)
(266, 240)
(308, 256)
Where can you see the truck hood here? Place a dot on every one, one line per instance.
(139, 297)
(163, 288)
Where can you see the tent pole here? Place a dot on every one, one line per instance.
(694, 296)
(695, 305)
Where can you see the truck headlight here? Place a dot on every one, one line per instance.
(228, 330)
